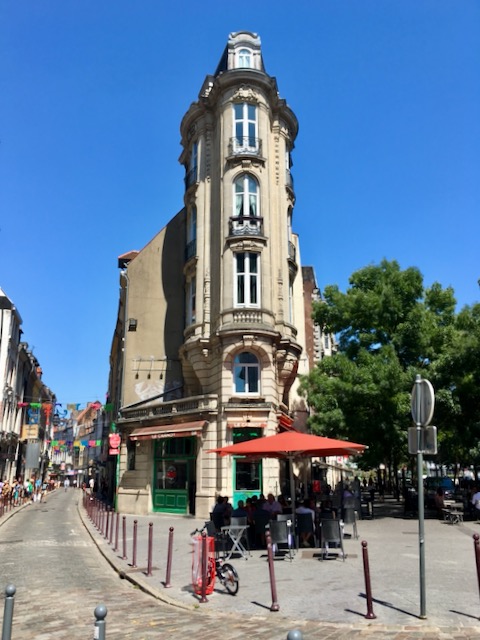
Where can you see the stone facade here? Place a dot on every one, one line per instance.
(211, 325)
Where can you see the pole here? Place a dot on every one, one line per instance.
(421, 505)
(292, 498)
(8, 611)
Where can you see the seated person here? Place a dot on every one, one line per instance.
(439, 501)
(272, 506)
(220, 513)
(306, 537)
(240, 511)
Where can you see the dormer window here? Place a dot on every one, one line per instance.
(244, 59)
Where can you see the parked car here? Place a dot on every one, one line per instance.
(431, 485)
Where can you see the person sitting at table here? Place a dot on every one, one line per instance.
(306, 537)
(286, 508)
(221, 513)
(475, 500)
(240, 511)
(439, 502)
(272, 506)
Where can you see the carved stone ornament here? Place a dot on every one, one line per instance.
(245, 94)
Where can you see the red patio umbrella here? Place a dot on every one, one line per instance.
(292, 444)
(289, 445)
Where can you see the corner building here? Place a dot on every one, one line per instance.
(211, 324)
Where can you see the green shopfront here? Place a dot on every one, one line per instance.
(174, 465)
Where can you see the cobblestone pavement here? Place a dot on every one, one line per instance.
(53, 559)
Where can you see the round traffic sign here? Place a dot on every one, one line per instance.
(423, 402)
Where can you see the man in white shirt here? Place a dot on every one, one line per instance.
(476, 502)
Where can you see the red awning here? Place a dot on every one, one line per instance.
(157, 432)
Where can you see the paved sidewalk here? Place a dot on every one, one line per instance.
(330, 591)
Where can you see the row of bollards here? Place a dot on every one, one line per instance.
(103, 518)
(106, 521)
(100, 614)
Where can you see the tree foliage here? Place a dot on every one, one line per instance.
(389, 327)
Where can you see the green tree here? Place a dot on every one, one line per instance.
(389, 328)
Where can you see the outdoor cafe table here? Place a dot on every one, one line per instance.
(235, 533)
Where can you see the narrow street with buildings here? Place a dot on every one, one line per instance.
(59, 567)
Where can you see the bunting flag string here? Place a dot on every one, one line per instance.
(48, 407)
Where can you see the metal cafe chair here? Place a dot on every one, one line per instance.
(331, 533)
(305, 525)
(350, 517)
(281, 533)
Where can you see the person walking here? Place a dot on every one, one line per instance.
(66, 483)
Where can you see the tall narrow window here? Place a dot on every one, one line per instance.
(191, 246)
(191, 300)
(247, 279)
(246, 373)
(246, 199)
(244, 58)
(192, 168)
(245, 126)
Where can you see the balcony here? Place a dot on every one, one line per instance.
(246, 226)
(173, 408)
(245, 146)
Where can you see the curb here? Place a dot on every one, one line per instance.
(137, 580)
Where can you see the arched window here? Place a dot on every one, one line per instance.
(246, 373)
(246, 197)
(244, 59)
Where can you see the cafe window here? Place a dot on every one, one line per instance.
(248, 472)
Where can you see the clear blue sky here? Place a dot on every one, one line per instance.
(386, 164)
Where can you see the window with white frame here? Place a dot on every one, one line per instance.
(244, 59)
(245, 126)
(246, 373)
(192, 224)
(191, 301)
(246, 200)
(192, 168)
(247, 279)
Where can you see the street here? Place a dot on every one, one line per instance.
(61, 577)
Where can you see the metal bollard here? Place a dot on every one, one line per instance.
(169, 558)
(295, 634)
(112, 513)
(476, 546)
(368, 587)
(117, 524)
(107, 527)
(150, 549)
(100, 624)
(10, 591)
(134, 546)
(204, 568)
(124, 532)
(275, 606)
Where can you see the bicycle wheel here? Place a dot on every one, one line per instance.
(230, 578)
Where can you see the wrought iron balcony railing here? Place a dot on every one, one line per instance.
(246, 226)
(246, 145)
(191, 177)
(190, 249)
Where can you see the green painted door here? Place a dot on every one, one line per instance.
(174, 476)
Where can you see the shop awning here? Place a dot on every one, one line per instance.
(157, 432)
